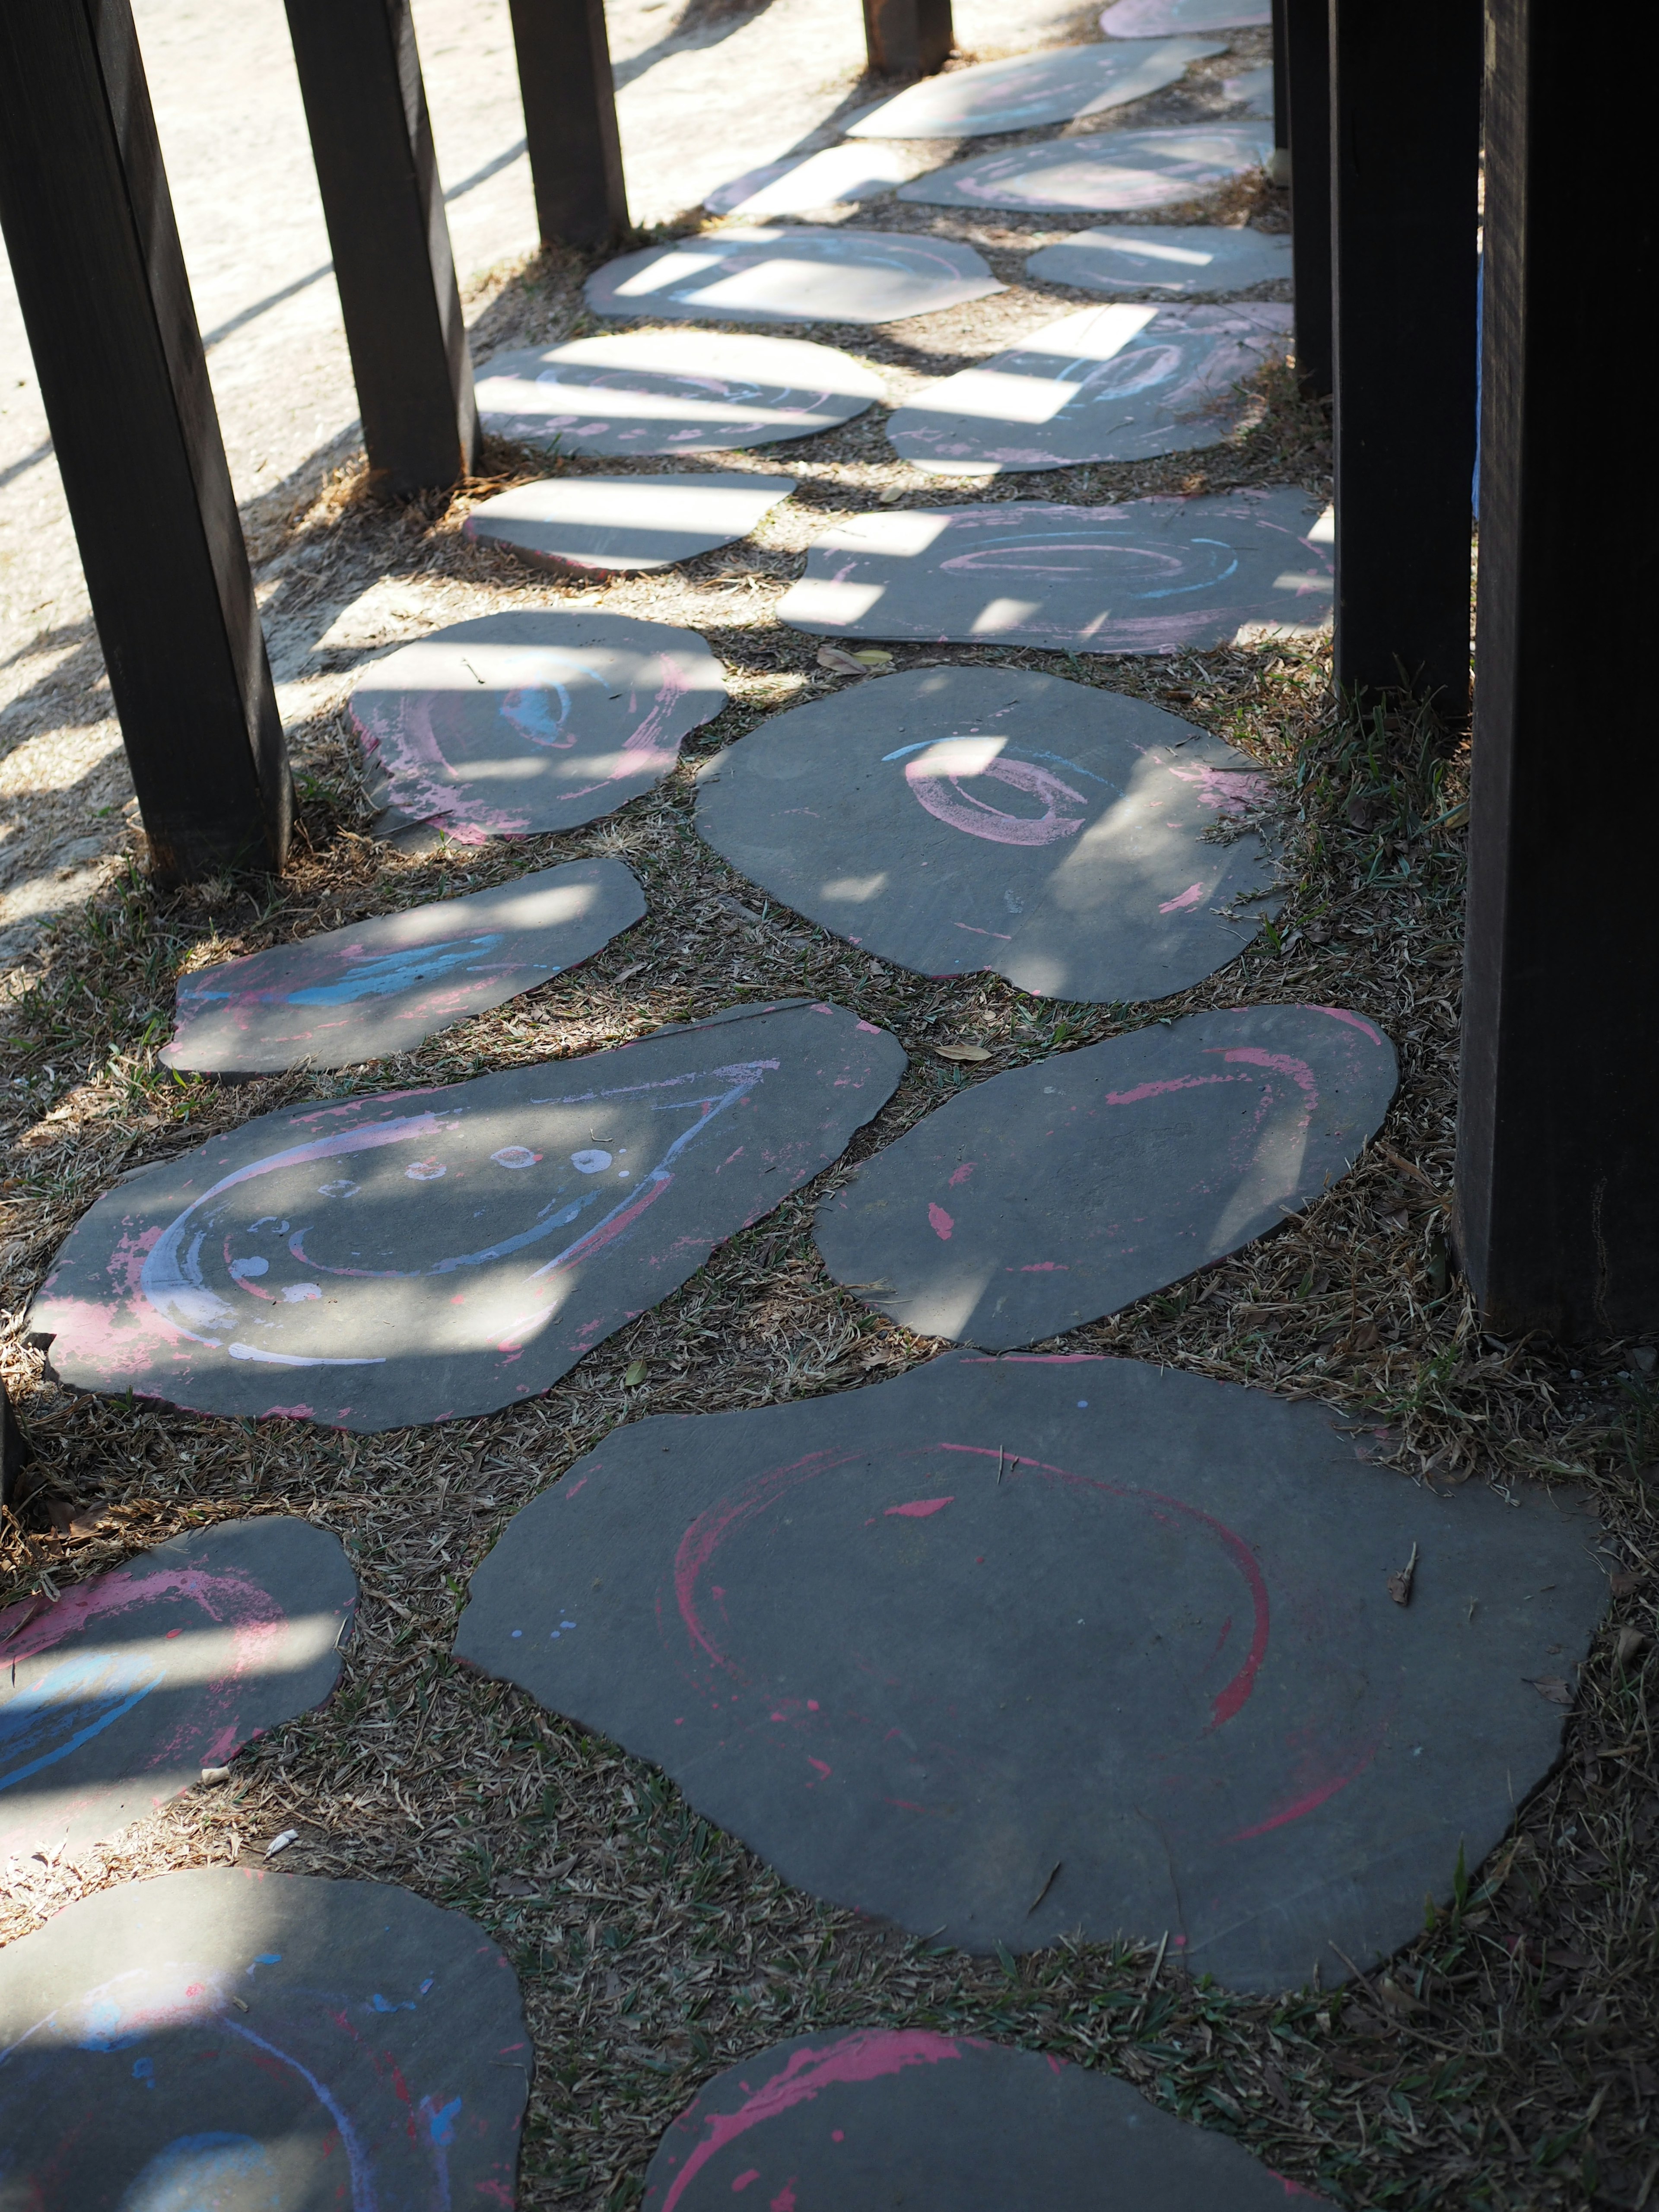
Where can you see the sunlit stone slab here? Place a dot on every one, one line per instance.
(527, 721)
(1149, 575)
(1107, 383)
(233, 2040)
(1064, 1190)
(797, 275)
(672, 391)
(812, 180)
(952, 819)
(380, 987)
(1161, 258)
(371, 1262)
(936, 2122)
(1160, 19)
(1254, 87)
(1114, 173)
(116, 1694)
(1050, 87)
(606, 524)
(1015, 1649)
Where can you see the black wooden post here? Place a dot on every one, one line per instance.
(570, 120)
(908, 38)
(359, 78)
(1405, 164)
(94, 250)
(1308, 101)
(1280, 170)
(1558, 1166)
(13, 1451)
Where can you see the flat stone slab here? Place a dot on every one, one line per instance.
(1056, 1193)
(1010, 1648)
(834, 174)
(373, 1263)
(954, 819)
(1106, 384)
(1178, 257)
(379, 986)
(115, 1695)
(1160, 19)
(233, 2040)
(1254, 87)
(800, 275)
(1149, 575)
(882, 2115)
(609, 525)
(1050, 87)
(1113, 172)
(518, 723)
(672, 391)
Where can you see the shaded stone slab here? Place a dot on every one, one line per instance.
(1050, 87)
(1149, 575)
(379, 986)
(1252, 88)
(1165, 258)
(672, 391)
(376, 1261)
(1107, 383)
(1161, 19)
(518, 723)
(115, 1695)
(882, 2116)
(1059, 1192)
(608, 525)
(954, 819)
(1010, 1648)
(233, 2040)
(799, 275)
(834, 174)
(1111, 172)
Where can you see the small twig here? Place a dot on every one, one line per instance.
(999, 1463)
(1046, 1887)
(1400, 1584)
(1139, 2013)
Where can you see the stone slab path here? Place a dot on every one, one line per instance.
(796, 274)
(1111, 172)
(611, 525)
(1055, 87)
(1182, 259)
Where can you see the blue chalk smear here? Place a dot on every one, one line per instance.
(442, 2123)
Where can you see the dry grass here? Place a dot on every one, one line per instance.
(1506, 2059)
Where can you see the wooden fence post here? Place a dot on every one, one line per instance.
(570, 120)
(95, 251)
(371, 137)
(1404, 168)
(908, 38)
(1308, 100)
(1279, 169)
(1558, 1170)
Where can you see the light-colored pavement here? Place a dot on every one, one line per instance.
(702, 97)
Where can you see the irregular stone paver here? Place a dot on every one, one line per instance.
(607, 525)
(882, 2115)
(1158, 19)
(1253, 87)
(374, 1262)
(1165, 258)
(798, 275)
(1107, 383)
(1011, 1648)
(1149, 575)
(114, 1696)
(1056, 1193)
(953, 820)
(230, 2037)
(526, 722)
(1050, 87)
(379, 986)
(1110, 172)
(672, 391)
(812, 180)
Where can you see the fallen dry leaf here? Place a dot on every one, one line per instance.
(1627, 1582)
(831, 656)
(971, 1052)
(637, 1373)
(1400, 1582)
(1628, 1643)
(1553, 1687)
(874, 656)
(1398, 1999)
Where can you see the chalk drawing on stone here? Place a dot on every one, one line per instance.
(1110, 172)
(1165, 258)
(794, 275)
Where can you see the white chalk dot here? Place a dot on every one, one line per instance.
(589, 1163)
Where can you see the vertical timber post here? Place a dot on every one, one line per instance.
(1308, 98)
(371, 137)
(1558, 1170)
(908, 38)
(570, 120)
(95, 251)
(1280, 168)
(1405, 171)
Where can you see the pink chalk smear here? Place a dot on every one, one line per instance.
(1342, 1014)
(866, 2055)
(785, 2199)
(962, 1174)
(744, 2179)
(940, 1222)
(1189, 897)
(922, 1507)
